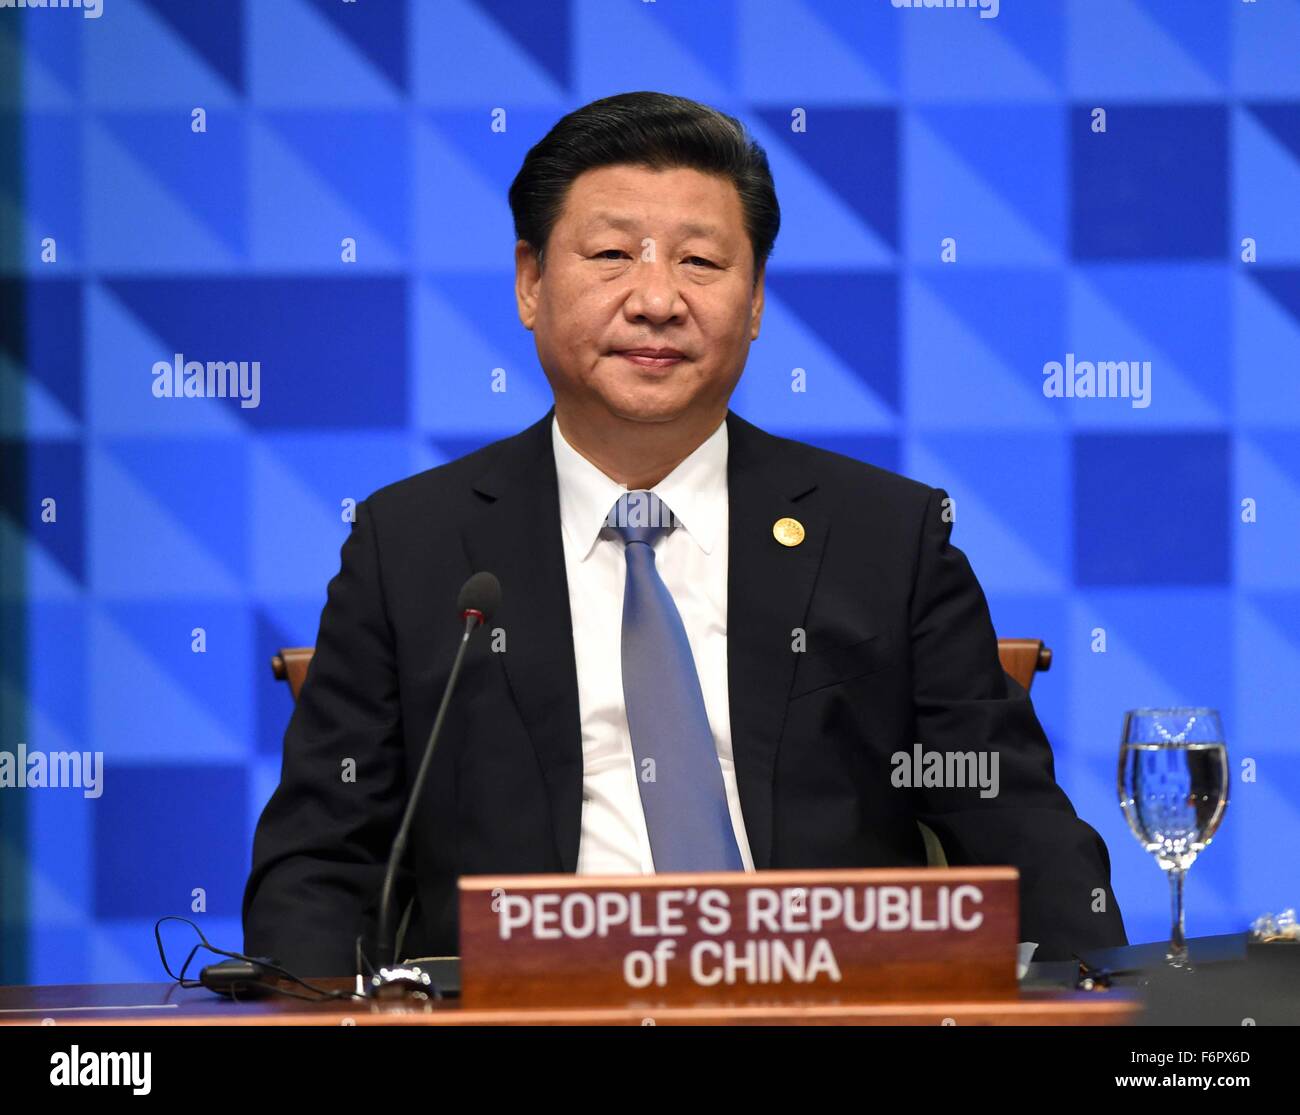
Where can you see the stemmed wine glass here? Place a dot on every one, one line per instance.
(1173, 789)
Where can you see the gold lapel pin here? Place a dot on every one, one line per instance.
(789, 532)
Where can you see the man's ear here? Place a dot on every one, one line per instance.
(528, 274)
(756, 306)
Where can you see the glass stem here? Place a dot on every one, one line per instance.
(1177, 943)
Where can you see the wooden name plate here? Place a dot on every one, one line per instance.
(845, 936)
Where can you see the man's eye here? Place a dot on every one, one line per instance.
(609, 252)
(701, 259)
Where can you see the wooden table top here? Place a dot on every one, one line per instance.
(154, 1004)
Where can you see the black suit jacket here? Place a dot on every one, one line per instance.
(899, 649)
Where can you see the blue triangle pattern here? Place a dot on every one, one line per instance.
(855, 151)
(815, 298)
(542, 30)
(374, 120)
(378, 30)
(363, 156)
(213, 30)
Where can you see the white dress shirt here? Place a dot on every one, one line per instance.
(692, 560)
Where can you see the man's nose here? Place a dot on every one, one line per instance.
(655, 295)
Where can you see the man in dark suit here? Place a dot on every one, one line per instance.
(744, 680)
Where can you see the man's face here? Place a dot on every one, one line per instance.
(643, 260)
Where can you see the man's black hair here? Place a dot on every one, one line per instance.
(654, 130)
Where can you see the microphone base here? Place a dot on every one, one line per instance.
(399, 983)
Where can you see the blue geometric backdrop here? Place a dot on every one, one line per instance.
(374, 120)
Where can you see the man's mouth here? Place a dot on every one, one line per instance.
(651, 357)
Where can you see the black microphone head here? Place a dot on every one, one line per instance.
(482, 594)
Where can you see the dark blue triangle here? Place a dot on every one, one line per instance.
(48, 469)
(347, 147)
(855, 151)
(856, 314)
(541, 30)
(1282, 120)
(210, 176)
(1283, 284)
(216, 31)
(40, 330)
(377, 28)
(1207, 39)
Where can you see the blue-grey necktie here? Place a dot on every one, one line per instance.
(681, 785)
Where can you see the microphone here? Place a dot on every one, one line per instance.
(481, 595)
(478, 600)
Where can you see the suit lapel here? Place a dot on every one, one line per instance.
(516, 535)
(769, 586)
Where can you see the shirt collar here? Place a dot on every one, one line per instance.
(696, 491)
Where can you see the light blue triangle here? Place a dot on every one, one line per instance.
(36, 218)
(477, 232)
(297, 58)
(1123, 673)
(173, 565)
(120, 353)
(60, 825)
(1265, 184)
(339, 464)
(946, 197)
(47, 417)
(44, 577)
(993, 142)
(451, 398)
(604, 64)
(297, 533)
(343, 171)
(1264, 552)
(1266, 340)
(1264, 732)
(37, 90)
(1204, 39)
(1183, 305)
(1257, 812)
(212, 194)
(297, 218)
(490, 70)
(180, 727)
(49, 899)
(817, 66)
(954, 54)
(836, 399)
(1002, 560)
(1264, 49)
(1097, 329)
(818, 229)
(1115, 49)
(1266, 704)
(139, 223)
(953, 379)
(39, 414)
(133, 59)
